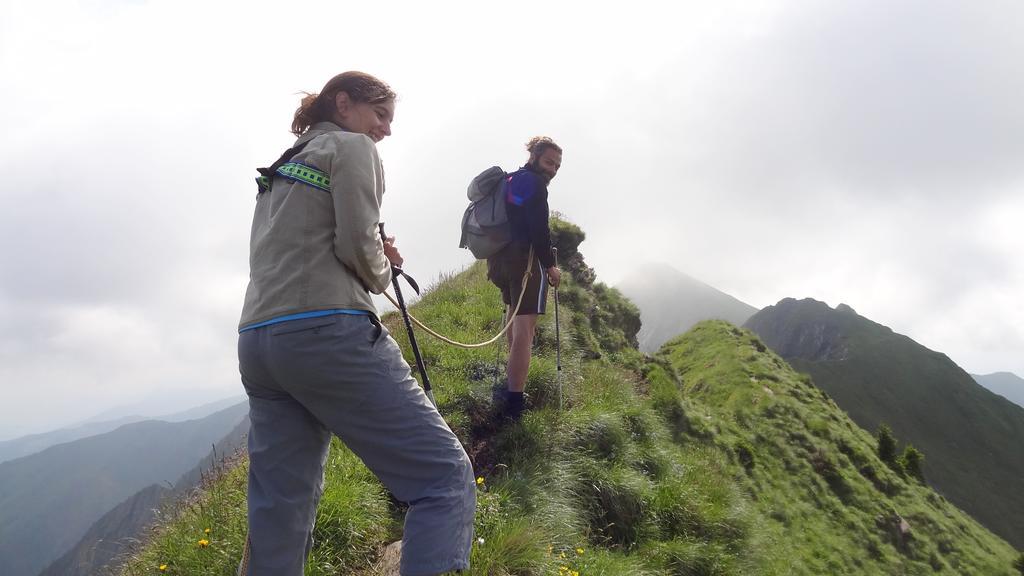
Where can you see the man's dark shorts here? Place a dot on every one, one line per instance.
(506, 269)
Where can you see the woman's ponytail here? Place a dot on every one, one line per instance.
(305, 114)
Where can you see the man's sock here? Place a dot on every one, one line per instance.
(514, 405)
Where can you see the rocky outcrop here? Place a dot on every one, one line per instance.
(896, 528)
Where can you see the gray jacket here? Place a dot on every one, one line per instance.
(312, 249)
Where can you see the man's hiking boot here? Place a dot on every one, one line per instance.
(509, 405)
(515, 403)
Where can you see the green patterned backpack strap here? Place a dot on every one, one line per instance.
(295, 171)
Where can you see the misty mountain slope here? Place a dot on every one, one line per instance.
(49, 500)
(32, 443)
(971, 437)
(671, 302)
(114, 534)
(1006, 384)
(713, 458)
(204, 410)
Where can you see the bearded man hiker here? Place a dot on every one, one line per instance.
(526, 197)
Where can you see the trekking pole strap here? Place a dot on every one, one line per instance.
(395, 270)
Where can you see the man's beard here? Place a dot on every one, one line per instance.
(535, 166)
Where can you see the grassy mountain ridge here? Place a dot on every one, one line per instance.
(641, 473)
(815, 475)
(971, 437)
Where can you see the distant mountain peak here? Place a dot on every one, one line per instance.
(807, 329)
(1006, 384)
(790, 301)
(1001, 374)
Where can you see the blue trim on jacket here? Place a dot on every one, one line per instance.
(304, 315)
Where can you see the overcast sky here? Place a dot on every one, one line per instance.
(866, 152)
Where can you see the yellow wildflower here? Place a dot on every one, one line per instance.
(479, 480)
(579, 551)
(207, 531)
(203, 543)
(163, 567)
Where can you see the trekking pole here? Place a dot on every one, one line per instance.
(558, 339)
(497, 350)
(395, 273)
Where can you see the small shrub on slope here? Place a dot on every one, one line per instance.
(912, 461)
(887, 446)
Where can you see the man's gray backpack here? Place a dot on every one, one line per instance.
(485, 227)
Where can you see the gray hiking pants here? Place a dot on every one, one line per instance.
(344, 374)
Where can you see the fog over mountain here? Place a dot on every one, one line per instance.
(671, 303)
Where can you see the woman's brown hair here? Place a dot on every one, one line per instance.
(318, 107)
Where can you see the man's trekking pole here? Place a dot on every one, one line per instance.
(497, 349)
(558, 339)
(395, 273)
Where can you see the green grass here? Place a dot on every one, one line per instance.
(817, 482)
(712, 458)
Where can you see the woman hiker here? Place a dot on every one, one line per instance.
(315, 359)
